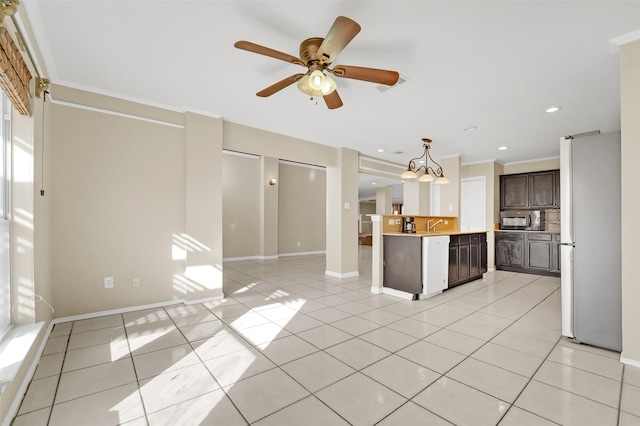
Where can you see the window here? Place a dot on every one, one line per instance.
(5, 213)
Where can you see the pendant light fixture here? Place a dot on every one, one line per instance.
(430, 175)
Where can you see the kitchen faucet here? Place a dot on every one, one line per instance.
(432, 227)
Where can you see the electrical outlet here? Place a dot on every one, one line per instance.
(108, 282)
(135, 282)
(390, 221)
(446, 222)
(397, 221)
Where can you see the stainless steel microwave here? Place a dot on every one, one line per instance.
(525, 220)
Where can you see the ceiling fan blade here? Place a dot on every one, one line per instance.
(373, 75)
(333, 100)
(256, 48)
(341, 33)
(279, 85)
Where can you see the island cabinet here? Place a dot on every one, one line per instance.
(538, 190)
(529, 252)
(467, 258)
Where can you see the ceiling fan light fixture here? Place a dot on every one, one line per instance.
(329, 86)
(305, 87)
(317, 80)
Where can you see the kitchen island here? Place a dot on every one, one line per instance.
(418, 265)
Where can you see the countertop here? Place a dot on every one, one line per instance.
(433, 234)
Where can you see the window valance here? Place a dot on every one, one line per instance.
(14, 74)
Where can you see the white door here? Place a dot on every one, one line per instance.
(473, 204)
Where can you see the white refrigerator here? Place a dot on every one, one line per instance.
(590, 234)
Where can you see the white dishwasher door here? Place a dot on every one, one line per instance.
(435, 265)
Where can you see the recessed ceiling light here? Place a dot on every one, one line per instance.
(553, 109)
(470, 129)
(503, 148)
(381, 150)
(373, 183)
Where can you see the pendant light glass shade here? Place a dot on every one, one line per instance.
(408, 175)
(441, 180)
(426, 178)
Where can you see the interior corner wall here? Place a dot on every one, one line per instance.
(117, 209)
(630, 111)
(302, 209)
(241, 206)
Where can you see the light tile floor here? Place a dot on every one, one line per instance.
(290, 346)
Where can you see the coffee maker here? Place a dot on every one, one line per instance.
(408, 224)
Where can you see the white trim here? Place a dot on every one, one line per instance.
(532, 161)
(339, 275)
(236, 259)
(397, 293)
(240, 154)
(491, 160)
(274, 257)
(201, 112)
(629, 361)
(204, 300)
(626, 38)
(117, 311)
(376, 290)
(302, 253)
(119, 114)
(22, 390)
(378, 172)
(308, 166)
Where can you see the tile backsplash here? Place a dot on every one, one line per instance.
(552, 220)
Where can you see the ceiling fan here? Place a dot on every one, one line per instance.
(316, 54)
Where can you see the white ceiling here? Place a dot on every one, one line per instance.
(494, 65)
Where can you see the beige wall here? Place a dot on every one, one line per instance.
(488, 171)
(450, 193)
(132, 199)
(254, 141)
(118, 196)
(532, 166)
(241, 206)
(301, 209)
(342, 215)
(269, 195)
(630, 107)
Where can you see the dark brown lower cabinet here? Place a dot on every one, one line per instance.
(528, 252)
(467, 258)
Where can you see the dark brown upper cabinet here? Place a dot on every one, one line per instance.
(538, 190)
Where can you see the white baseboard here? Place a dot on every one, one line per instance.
(397, 293)
(302, 253)
(274, 257)
(376, 290)
(339, 275)
(629, 361)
